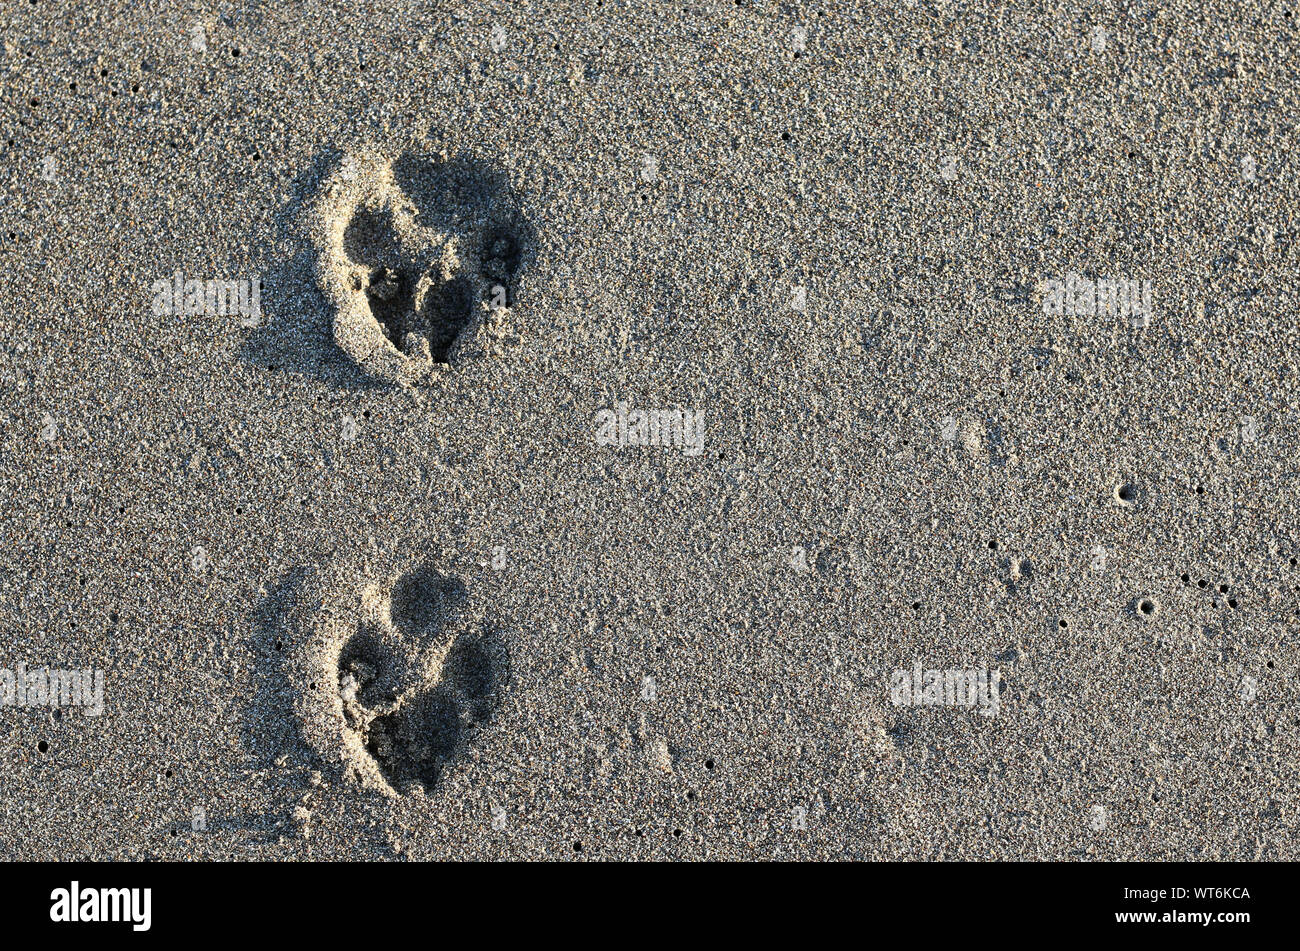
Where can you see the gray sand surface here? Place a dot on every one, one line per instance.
(350, 602)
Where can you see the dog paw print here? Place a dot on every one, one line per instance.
(419, 262)
(398, 691)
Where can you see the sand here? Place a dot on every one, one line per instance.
(414, 556)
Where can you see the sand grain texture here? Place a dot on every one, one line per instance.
(830, 230)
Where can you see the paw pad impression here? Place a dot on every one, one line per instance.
(393, 679)
(418, 262)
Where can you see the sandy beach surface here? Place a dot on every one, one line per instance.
(727, 430)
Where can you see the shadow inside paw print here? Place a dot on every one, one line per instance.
(416, 258)
(415, 682)
(420, 316)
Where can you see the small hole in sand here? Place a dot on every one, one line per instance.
(1147, 607)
